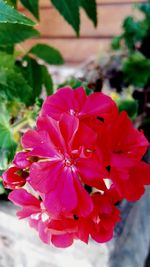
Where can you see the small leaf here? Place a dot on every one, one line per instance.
(2, 190)
(7, 143)
(134, 31)
(47, 80)
(33, 75)
(10, 15)
(116, 42)
(7, 48)
(129, 105)
(145, 8)
(12, 83)
(15, 33)
(90, 8)
(136, 69)
(69, 9)
(12, 2)
(32, 6)
(47, 53)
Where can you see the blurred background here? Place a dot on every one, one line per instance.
(55, 30)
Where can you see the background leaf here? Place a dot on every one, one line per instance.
(11, 15)
(90, 8)
(136, 69)
(47, 53)
(12, 2)
(47, 80)
(7, 143)
(32, 6)
(69, 9)
(32, 73)
(12, 83)
(15, 87)
(15, 33)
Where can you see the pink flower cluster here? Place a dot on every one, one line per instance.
(82, 158)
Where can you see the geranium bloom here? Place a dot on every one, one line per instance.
(79, 143)
(131, 178)
(67, 160)
(127, 146)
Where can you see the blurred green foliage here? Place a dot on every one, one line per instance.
(135, 39)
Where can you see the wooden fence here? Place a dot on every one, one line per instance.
(56, 32)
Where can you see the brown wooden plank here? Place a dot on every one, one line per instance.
(110, 21)
(74, 51)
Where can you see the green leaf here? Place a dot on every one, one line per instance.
(7, 143)
(15, 33)
(136, 69)
(32, 6)
(116, 42)
(47, 80)
(134, 31)
(145, 8)
(12, 83)
(10, 15)
(129, 105)
(47, 53)
(2, 190)
(90, 8)
(7, 48)
(69, 9)
(32, 73)
(6, 61)
(16, 87)
(12, 2)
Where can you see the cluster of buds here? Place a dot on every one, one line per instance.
(82, 158)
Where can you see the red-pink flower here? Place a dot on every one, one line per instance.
(34, 210)
(62, 231)
(67, 161)
(99, 224)
(105, 217)
(128, 147)
(79, 142)
(14, 177)
(130, 179)
(77, 103)
(125, 139)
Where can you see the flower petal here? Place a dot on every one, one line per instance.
(85, 204)
(65, 100)
(51, 126)
(44, 176)
(98, 104)
(30, 205)
(91, 172)
(12, 179)
(63, 198)
(21, 160)
(62, 241)
(40, 143)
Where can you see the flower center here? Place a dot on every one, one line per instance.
(68, 162)
(73, 112)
